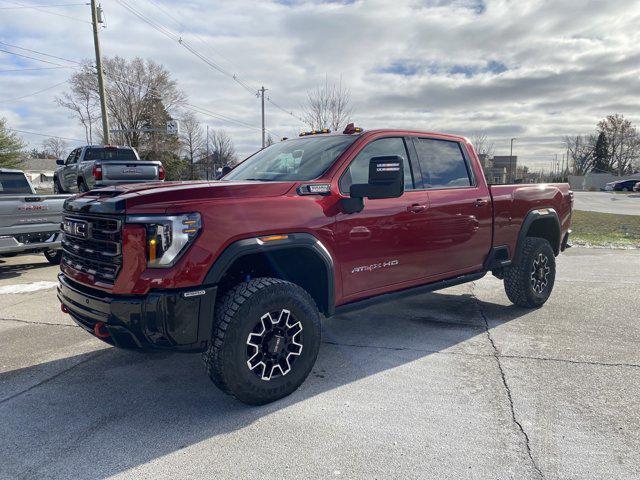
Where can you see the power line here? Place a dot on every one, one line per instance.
(39, 53)
(39, 8)
(35, 68)
(45, 135)
(33, 93)
(34, 58)
(189, 106)
(42, 6)
(177, 38)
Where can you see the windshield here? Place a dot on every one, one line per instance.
(292, 160)
(109, 154)
(14, 184)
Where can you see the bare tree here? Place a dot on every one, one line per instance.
(328, 106)
(482, 144)
(623, 142)
(581, 150)
(191, 136)
(222, 147)
(140, 95)
(83, 100)
(55, 147)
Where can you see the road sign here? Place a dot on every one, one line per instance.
(173, 127)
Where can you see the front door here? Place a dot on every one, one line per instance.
(381, 245)
(70, 171)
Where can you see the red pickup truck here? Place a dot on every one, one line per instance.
(242, 268)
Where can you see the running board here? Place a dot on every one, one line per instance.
(408, 292)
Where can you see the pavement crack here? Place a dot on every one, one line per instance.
(496, 355)
(53, 377)
(37, 323)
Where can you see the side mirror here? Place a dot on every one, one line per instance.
(226, 169)
(386, 179)
(59, 162)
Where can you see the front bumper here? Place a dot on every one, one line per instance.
(11, 244)
(163, 319)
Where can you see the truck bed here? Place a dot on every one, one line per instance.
(512, 203)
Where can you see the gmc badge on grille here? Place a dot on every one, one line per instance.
(76, 228)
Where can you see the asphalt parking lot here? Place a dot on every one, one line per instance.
(453, 384)
(608, 202)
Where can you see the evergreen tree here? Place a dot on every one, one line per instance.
(601, 163)
(10, 147)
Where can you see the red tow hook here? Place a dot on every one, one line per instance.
(64, 308)
(100, 330)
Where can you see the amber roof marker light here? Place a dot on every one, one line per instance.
(351, 129)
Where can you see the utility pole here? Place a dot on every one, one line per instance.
(261, 93)
(96, 44)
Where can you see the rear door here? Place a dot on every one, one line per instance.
(459, 219)
(381, 245)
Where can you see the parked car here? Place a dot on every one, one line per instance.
(29, 222)
(242, 268)
(94, 166)
(636, 187)
(621, 185)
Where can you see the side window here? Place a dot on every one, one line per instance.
(442, 164)
(358, 171)
(73, 157)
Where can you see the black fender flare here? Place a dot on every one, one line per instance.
(532, 217)
(252, 245)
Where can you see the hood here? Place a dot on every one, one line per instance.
(160, 196)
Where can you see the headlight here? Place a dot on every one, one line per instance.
(168, 237)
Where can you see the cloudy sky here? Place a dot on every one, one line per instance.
(534, 70)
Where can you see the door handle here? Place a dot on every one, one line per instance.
(416, 208)
(480, 202)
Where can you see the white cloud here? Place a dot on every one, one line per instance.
(535, 70)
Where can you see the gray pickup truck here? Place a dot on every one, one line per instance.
(28, 222)
(94, 166)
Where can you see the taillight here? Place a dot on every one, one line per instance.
(161, 173)
(97, 171)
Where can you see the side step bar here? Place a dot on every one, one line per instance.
(409, 292)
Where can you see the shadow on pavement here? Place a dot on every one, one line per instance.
(15, 268)
(117, 409)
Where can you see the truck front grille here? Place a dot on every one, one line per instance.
(92, 245)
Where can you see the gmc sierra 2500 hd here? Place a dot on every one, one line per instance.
(241, 268)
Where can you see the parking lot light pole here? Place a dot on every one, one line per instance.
(511, 161)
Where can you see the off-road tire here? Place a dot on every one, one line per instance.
(82, 186)
(57, 188)
(53, 256)
(519, 276)
(237, 313)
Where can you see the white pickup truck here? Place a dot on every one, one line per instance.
(28, 222)
(94, 166)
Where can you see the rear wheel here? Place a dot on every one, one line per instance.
(266, 338)
(82, 185)
(530, 280)
(57, 188)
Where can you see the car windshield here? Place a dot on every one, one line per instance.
(14, 184)
(299, 159)
(110, 154)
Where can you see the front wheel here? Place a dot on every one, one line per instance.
(266, 337)
(53, 256)
(530, 280)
